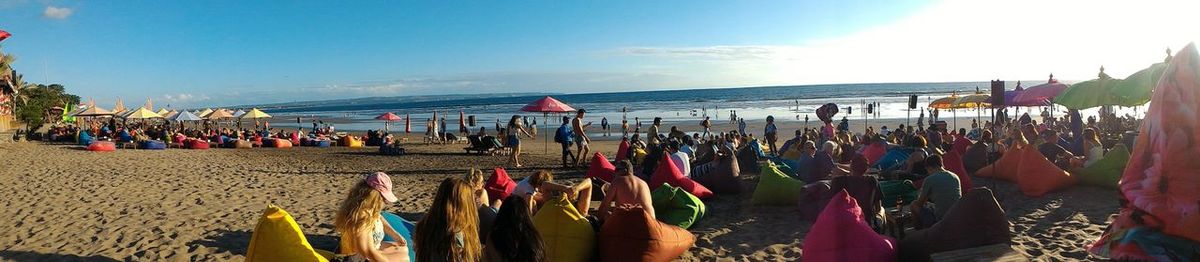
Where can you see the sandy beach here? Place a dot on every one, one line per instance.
(63, 203)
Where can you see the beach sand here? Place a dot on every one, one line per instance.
(63, 203)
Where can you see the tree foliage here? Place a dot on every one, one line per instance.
(30, 102)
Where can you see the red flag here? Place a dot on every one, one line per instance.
(4, 35)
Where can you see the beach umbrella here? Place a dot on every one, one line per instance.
(4, 35)
(142, 113)
(94, 111)
(387, 120)
(407, 124)
(255, 113)
(239, 113)
(1040, 95)
(944, 103)
(119, 108)
(973, 101)
(547, 105)
(205, 112)
(186, 116)
(219, 114)
(170, 114)
(163, 111)
(149, 104)
(1088, 94)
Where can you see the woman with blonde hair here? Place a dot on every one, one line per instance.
(515, 130)
(487, 210)
(361, 226)
(450, 230)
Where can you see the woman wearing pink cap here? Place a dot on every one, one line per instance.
(361, 226)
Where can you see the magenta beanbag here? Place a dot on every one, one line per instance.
(841, 234)
(666, 172)
(601, 168)
(500, 185)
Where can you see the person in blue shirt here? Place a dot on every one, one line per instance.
(565, 137)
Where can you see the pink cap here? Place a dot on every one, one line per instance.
(382, 183)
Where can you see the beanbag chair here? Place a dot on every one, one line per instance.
(85, 139)
(960, 145)
(282, 143)
(402, 226)
(153, 145)
(1006, 167)
(953, 162)
(1037, 176)
(601, 168)
(667, 173)
(723, 176)
(748, 158)
(874, 152)
(321, 143)
(197, 144)
(1106, 172)
(841, 234)
(787, 166)
(904, 190)
(567, 234)
(674, 206)
(775, 188)
(975, 220)
(813, 198)
(866, 191)
(351, 141)
(631, 235)
(277, 237)
(623, 150)
(242, 144)
(893, 158)
(102, 146)
(500, 185)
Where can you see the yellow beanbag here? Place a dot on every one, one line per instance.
(278, 238)
(567, 234)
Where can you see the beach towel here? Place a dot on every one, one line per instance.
(841, 234)
(402, 226)
(102, 146)
(631, 235)
(1106, 172)
(674, 206)
(894, 158)
(567, 233)
(623, 151)
(601, 168)
(775, 188)
(953, 163)
(722, 176)
(277, 237)
(500, 185)
(667, 173)
(904, 190)
(975, 220)
(1160, 184)
(1037, 176)
(813, 199)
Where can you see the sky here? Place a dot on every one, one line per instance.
(213, 53)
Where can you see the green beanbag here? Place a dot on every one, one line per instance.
(775, 188)
(1107, 171)
(903, 189)
(675, 206)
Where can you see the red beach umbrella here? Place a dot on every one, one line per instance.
(547, 105)
(387, 118)
(1039, 94)
(4, 35)
(407, 124)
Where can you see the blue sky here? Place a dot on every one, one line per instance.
(201, 53)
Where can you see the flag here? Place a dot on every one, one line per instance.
(4, 35)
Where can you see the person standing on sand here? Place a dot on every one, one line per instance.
(565, 137)
(652, 133)
(741, 122)
(706, 124)
(769, 132)
(362, 228)
(604, 125)
(624, 127)
(515, 130)
(581, 138)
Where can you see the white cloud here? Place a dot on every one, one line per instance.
(959, 41)
(59, 13)
(183, 99)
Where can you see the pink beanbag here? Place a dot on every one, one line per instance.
(102, 146)
(841, 234)
(500, 185)
(601, 168)
(666, 172)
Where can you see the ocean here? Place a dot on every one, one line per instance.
(750, 103)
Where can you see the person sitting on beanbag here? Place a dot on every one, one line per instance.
(625, 190)
(941, 187)
(362, 227)
(539, 188)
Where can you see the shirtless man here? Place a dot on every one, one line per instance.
(581, 138)
(625, 190)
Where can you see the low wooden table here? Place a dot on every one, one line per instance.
(997, 252)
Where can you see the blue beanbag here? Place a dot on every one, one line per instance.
(893, 158)
(322, 143)
(153, 145)
(404, 228)
(85, 139)
(268, 142)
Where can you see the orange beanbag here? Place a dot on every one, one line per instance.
(632, 235)
(1037, 176)
(283, 143)
(666, 172)
(1005, 168)
(601, 168)
(500, 185)
(102, 146)
(841, 234)
(953, 162)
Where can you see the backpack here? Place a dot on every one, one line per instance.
(564, 135)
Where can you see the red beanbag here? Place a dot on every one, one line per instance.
(102, 146)
(841, 234)
(632, 235)
(1006, 167)
(960, 145)
(874, 152)
(623, 150)
(953, 162)
(666, 172)
(1037, 175)
(500, 185)
(197, 144)
(601, 168)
